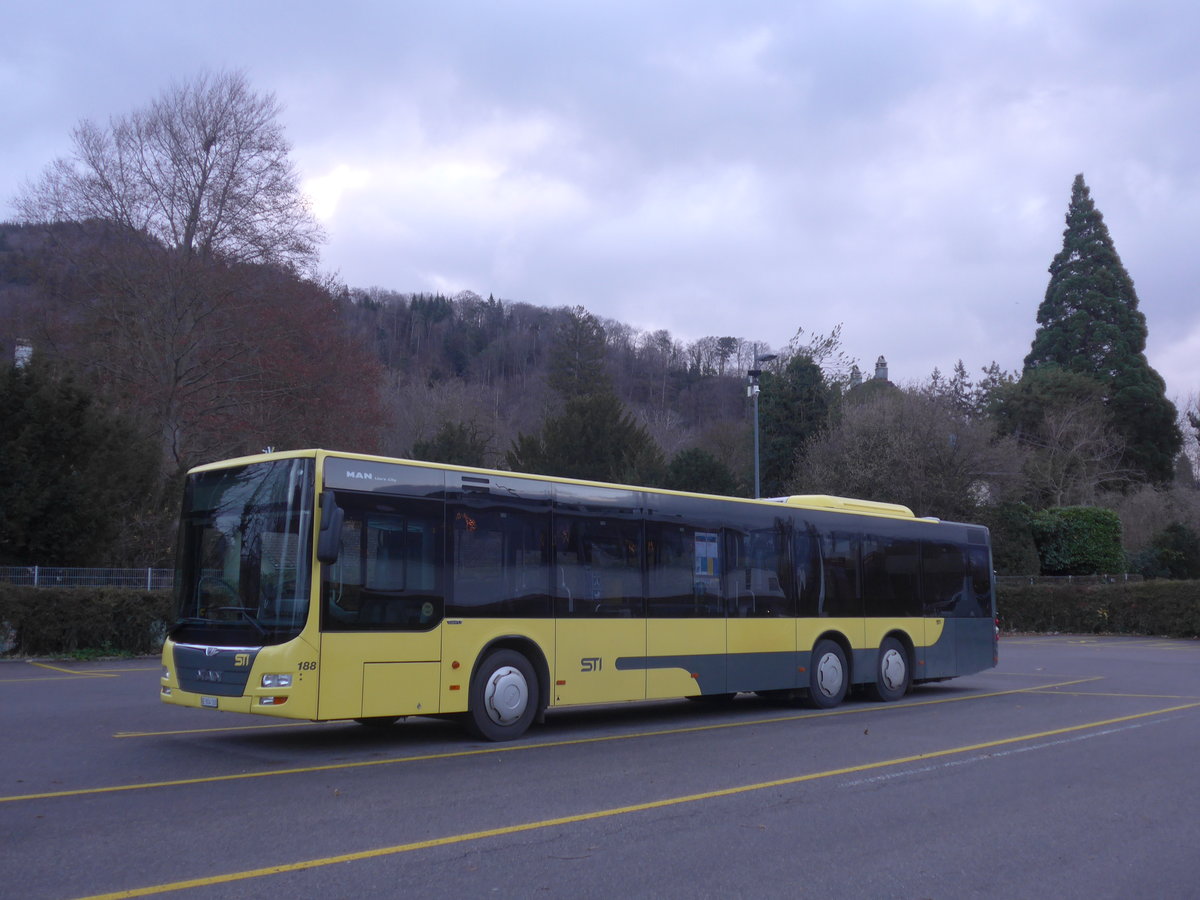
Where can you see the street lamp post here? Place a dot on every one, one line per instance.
(752, 392)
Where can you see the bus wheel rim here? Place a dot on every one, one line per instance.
(506, 696)
(829, 675)
(893, 669)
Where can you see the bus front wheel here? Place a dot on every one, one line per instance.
(893, 675)
(504, 697)
(828, 675)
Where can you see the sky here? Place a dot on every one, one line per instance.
(901, 169)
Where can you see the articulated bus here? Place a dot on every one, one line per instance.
(333, 586)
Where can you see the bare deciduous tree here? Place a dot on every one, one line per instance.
(909, 448)
(193, 232)
(203, 170)
(1074, 456)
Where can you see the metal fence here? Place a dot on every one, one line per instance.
(1067, 579)
(65, 576)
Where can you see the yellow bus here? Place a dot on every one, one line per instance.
(334, 586)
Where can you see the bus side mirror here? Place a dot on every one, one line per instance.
(329, 538)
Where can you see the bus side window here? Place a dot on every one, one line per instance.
(891, 576)
(979, 570)
(499, 562)
(386, 576)
(598, 567)
(684, 572)
(943, 578)
(761, 583)
(806, 551)
(840, 571)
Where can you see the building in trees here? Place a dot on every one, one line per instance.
(1089, 323)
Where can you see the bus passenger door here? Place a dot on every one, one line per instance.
(685, 625)
(600, 625)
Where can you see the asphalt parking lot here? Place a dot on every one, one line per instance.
(1069, 770)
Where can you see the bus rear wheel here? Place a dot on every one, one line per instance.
(504, 697)
(893, 675)
(828, 675)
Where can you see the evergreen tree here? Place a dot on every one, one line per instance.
(793, 408)
(577, 359)
(1089, 323)
(699, 471)
(72, 476)
(593, 437)
(456, 444)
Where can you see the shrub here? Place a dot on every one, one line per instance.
(1167, 608)
(1078, 540)
(67, 620)
(1174, 553)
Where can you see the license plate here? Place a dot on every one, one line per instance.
(209, 702)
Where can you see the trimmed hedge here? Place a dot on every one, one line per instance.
(1164, 608)
(65, 620)
(47, 620)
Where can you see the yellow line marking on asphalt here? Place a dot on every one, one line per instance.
(1114, 694)
(69, 674)
(510, 748)
(262, 727)
(44, 678)
(75, 672)
(852, 711)
(1023, 675)
(596, 815)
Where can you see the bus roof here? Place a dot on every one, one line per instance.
(798, 501)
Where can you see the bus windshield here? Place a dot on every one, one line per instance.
(243, 570)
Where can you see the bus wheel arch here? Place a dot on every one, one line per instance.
(893, 669)
(508, 688)
(829, 673)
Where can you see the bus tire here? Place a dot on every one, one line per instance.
(893, 674)
(504, 697)
(828, 675)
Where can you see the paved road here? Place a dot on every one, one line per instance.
(1069, 771)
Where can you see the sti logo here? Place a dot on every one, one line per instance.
(590, 664)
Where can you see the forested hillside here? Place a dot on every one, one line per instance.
(165, 320)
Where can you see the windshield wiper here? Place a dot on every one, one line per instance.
(245, 611)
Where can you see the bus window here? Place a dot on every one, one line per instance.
(979, 572)
(891, 571)
(944, 578)
(500, 563)
(807, 554)
(759, 583)
(387, 575)
(684, 572)
(598, 567)
(839, 551)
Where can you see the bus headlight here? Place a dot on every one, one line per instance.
(277, 681)
(166, 675)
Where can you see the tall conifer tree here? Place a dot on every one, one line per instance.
(1089, 323)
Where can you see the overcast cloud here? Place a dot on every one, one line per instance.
(719, 168)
